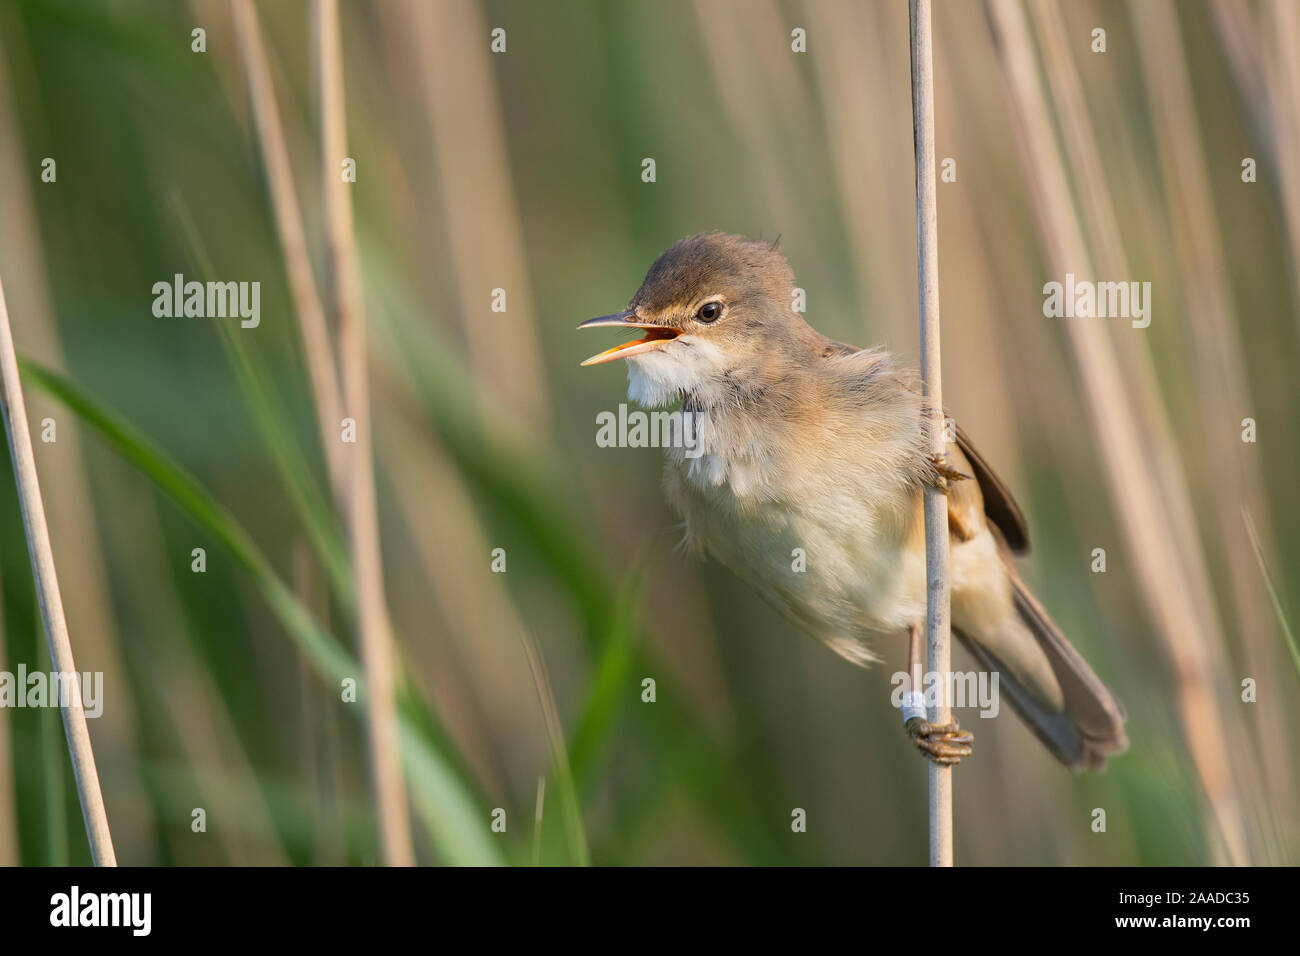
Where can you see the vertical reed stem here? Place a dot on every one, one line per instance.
(360, 512)
(14, 410)
(293, 242)
(937, 624)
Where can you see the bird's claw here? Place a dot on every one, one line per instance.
(944, 744)
(946, 471)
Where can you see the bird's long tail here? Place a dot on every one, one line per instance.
(1090, 724)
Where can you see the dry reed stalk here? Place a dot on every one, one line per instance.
(47, 593)
(361, 516)
(937, 609)
(74, 529)
(1270, 97)
(1269, 81)
(1284, 82)
(751, 87)
(858, 131)
(458, 81)
(1234, 24)
(1216, 347)
(1140, 499)
(293, 243)
(996, 401)
(1222, 390)
(1217, 351)
(769, 101)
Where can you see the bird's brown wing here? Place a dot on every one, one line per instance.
(999, 506)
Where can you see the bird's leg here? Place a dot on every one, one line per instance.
(942, 743)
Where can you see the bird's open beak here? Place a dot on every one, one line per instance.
(655, 336)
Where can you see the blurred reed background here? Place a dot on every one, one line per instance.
(522, 171)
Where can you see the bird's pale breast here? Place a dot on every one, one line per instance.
(834, 548)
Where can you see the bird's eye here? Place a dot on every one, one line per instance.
(709, 312)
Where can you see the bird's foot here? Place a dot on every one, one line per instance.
(944, 744)
(946, 470)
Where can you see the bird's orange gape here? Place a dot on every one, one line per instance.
(655, 337)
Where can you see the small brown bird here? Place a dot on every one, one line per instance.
(804, 442)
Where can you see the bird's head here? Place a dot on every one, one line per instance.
(712, 307)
